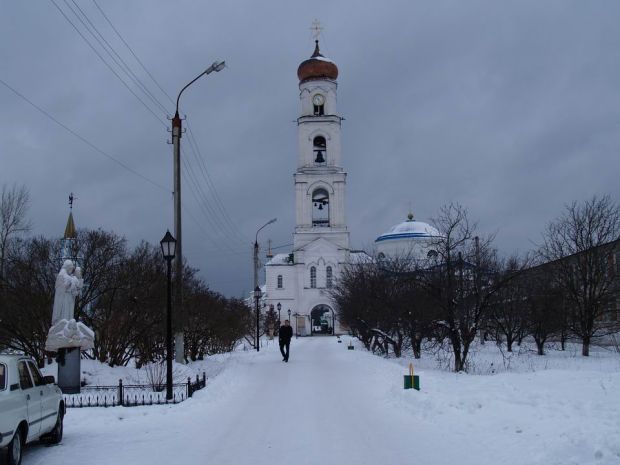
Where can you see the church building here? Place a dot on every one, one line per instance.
(298, 283)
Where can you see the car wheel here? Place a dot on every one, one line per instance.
(55, 435)
(15, 449)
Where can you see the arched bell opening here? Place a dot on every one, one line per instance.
(319, 145)
(320, 208)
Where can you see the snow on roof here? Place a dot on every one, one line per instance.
(279, 259)
(322, 58)
(408, 230)
(359, 256)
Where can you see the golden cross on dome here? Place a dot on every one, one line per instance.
(316, 29)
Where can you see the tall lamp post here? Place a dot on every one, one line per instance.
(168, 246)
(256, 250)
(178, 263)
(279, 317)
(257, 295)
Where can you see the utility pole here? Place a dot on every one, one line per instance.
(177, 130)
(256, 288)
(179, 342)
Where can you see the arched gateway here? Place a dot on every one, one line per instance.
(323, 320)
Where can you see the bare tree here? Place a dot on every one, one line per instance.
(581, 245)
(27, 297)
(544, 306)
(464, 279)
(13, 208)
(508, 313)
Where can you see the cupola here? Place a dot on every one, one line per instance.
(317, 67)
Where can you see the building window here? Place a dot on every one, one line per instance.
(320, 208)
(319, 145)
(328, 277)
(280, 281)
(313, 277)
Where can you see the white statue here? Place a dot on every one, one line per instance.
(65, 331)
(68, 287)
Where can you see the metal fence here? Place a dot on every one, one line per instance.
(133, 395)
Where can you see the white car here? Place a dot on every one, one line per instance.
(31, 406)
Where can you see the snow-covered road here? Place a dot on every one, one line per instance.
(329, 405)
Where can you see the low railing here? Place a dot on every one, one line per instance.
(133, 395)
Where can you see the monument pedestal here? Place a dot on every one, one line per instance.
(69, 371)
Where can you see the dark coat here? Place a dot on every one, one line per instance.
(285, 334)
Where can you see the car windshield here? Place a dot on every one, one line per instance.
(2, 377)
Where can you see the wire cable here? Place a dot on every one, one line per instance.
(220, 209)
(83, 139)
(133, 53)
(116, 58)
(228, 223)
(107, 64)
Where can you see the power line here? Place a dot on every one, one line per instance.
(132, 52)
(118, 60)
(204, 208)
(227, 224)
(216, 215)
(203, 200)
(117, 161)
(107, 64)
(83, 139)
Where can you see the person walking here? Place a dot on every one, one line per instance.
(284, 338)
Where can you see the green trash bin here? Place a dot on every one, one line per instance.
(412, 382)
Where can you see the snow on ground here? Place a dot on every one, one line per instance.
(329, 405)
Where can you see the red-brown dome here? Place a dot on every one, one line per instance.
(317, 67)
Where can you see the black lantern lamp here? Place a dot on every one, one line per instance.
(168, 246)
(168, 249)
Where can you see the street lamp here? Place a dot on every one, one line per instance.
(168, 248)
(256, 250)
(178, 263)
(279, 318)
(289, 315)
(257, 295)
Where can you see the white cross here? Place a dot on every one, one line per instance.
(316, 28)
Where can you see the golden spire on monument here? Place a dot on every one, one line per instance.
(70, 231)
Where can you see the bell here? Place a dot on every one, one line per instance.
(320, 206)
(319, 157)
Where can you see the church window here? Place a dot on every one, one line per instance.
(313, 277)
(328, 277)
(319, 146)
(280, 281)
(320, 208)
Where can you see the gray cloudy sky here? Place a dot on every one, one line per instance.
(510, 108)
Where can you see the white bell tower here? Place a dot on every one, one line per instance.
(320, 180)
